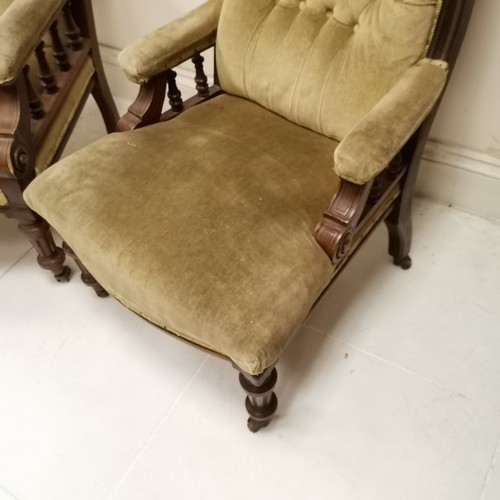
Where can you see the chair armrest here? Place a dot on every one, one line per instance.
(168, 46)
(369, 147)
(21, 28)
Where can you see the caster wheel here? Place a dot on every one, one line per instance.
(405, 262)
(102, 293)
(255, 425)
(64, 276)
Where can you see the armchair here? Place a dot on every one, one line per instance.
(224, 219)
(49, 64)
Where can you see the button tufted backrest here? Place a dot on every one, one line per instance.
(320, 63)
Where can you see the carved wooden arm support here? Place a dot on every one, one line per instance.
(147, 108)
(335, 230)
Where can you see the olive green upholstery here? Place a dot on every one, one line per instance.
(22, 23)
(163, 48)
(320, 63)
(205, 224)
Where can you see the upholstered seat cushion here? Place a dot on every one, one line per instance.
(203, 224)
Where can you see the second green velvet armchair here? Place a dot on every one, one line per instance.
(224, 219)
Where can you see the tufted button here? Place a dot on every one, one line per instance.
(355, 28)
(329, 13)
(302, 5)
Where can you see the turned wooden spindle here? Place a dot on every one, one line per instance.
(58, 49)
(200, 77)
(46, 75)
(72, 31)
(35, 104)
(174, 94)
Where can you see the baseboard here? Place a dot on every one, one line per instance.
(461, 177)
(451, 174)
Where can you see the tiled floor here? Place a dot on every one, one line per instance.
(391, 391)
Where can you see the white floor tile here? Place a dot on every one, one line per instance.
(83, 384)
(5, 496)
(439, 319)
(492, 486)
(349, 427)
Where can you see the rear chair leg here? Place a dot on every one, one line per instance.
(87, 278)
(399, 225)
(261, 402)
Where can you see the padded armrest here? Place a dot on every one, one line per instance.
(377, 138)
(169, 45)
(21, 28)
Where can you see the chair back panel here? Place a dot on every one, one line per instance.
(322, 64)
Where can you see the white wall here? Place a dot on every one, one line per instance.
(470, 112)
(465, 146)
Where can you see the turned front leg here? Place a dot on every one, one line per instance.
(261, 402)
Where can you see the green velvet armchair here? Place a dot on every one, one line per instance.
(223, 219)
(49, 64)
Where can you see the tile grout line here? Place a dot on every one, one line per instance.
(491, 468)
(7, 492)
(129, 469)
(16, 262)
(402, 368)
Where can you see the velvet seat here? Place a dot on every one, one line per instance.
(223, 219)
(248, 187)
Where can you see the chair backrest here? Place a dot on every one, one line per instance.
(321, 63)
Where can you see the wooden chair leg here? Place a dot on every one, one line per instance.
(399, 225)
(261, 402)
(50, 256)
(87, 278)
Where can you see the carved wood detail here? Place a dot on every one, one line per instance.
(174, 94)
(200, 77)
(36, 105)
(261, 402)
(72, 30)
(147, 107)
(58, 49)
(335, 229)
(46, 75)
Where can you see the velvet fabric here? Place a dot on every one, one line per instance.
(21, 26)
(203, 225)
(322, 64)
(377, 138)
(164, 47)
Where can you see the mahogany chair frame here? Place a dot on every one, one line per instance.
(354, 211)
(26, 116)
